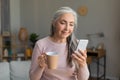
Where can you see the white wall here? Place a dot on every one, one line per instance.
(103, 16)
(15, 15)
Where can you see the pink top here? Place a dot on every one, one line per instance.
(63, 72)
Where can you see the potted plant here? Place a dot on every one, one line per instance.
(33, 38)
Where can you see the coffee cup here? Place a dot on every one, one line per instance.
(52, 60)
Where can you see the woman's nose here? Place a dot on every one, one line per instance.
(67, 27)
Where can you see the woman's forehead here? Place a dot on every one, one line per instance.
(67, 16)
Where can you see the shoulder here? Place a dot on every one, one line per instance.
(42, 41)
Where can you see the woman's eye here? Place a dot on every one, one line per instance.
(62, 22)
(72, 25)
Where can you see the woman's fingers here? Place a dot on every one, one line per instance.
(80, 56)
(42, 60)
(83, 53)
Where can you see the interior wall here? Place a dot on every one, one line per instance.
(15, 16)
(103, 16)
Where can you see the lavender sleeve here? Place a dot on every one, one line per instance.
(83, 73)
(35, 72)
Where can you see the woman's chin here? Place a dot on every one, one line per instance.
(64, 37)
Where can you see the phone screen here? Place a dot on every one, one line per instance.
(82, 44)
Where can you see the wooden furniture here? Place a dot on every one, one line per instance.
(10, 48)
(5, 44)
(95, 56)
(89, 60)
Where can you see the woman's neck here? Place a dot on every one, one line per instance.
(57, 39)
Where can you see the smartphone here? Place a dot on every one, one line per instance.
(82, 44)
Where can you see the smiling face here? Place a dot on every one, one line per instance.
(64, 26)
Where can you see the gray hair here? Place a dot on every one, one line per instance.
(57, 15)
(64, 10)
(71, 40)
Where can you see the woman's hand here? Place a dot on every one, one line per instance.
(42, 61)
(80, 57)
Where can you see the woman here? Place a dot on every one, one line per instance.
(71, 64)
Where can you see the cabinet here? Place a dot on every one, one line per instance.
(5, 38)
(96, 56)
(5, 45)
(10, 45)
